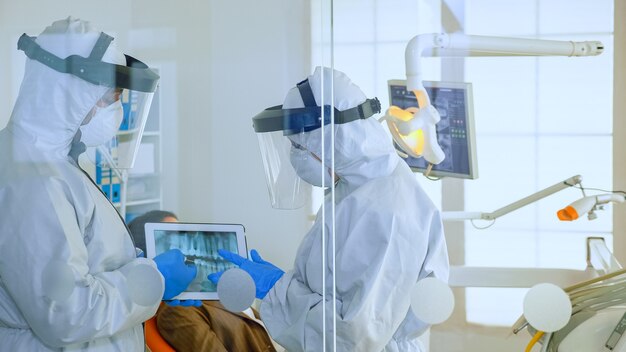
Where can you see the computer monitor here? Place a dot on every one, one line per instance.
(455, 131)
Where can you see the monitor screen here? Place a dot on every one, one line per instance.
(455, 131)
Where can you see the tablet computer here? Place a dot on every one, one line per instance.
(199, 243)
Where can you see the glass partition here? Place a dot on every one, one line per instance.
(326, 161)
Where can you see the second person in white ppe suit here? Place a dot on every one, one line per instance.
(69, 276)
(388, 232)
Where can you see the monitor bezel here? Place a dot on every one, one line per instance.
(470, 128)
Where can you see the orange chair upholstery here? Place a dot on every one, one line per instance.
(154, 340)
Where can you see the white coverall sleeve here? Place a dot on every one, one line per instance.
(41, 238)
(378, 261)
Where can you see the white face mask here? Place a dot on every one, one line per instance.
(309, 168)
(103, 125)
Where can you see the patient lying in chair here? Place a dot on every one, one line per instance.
(210, 327)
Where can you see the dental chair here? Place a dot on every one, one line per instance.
(588, 331)
(598, 317)
(154, 340)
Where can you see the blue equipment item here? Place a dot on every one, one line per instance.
(264, 274)
(176, 273)
(184, 302)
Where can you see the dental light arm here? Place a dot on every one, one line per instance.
(457, 44)
(462, 215)
(461, 45)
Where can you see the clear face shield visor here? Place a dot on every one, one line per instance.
(285, 161)
(287, 190)
(132, 86)
(121, 151)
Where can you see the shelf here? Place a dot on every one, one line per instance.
(125, 132)
(143, 175)
(143, 201)
(151, 133)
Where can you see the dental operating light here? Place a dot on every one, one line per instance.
(588, 205)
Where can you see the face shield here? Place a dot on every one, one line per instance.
(131, 88)
(286, 163)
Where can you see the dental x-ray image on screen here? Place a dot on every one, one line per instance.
(199, 243)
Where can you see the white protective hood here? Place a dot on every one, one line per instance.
(62, 100)
(363, 150)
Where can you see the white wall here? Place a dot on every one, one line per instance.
(258, 50)
(221, 63)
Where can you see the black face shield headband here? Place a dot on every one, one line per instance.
(135, 75)
(309, 118)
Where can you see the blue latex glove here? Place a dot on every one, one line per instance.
(177, 276)
(264, 274)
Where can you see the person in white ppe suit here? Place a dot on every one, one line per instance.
(388, 233)
(70, 279)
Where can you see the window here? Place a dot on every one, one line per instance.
(538, 121)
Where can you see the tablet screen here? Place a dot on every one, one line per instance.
(199, 243)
